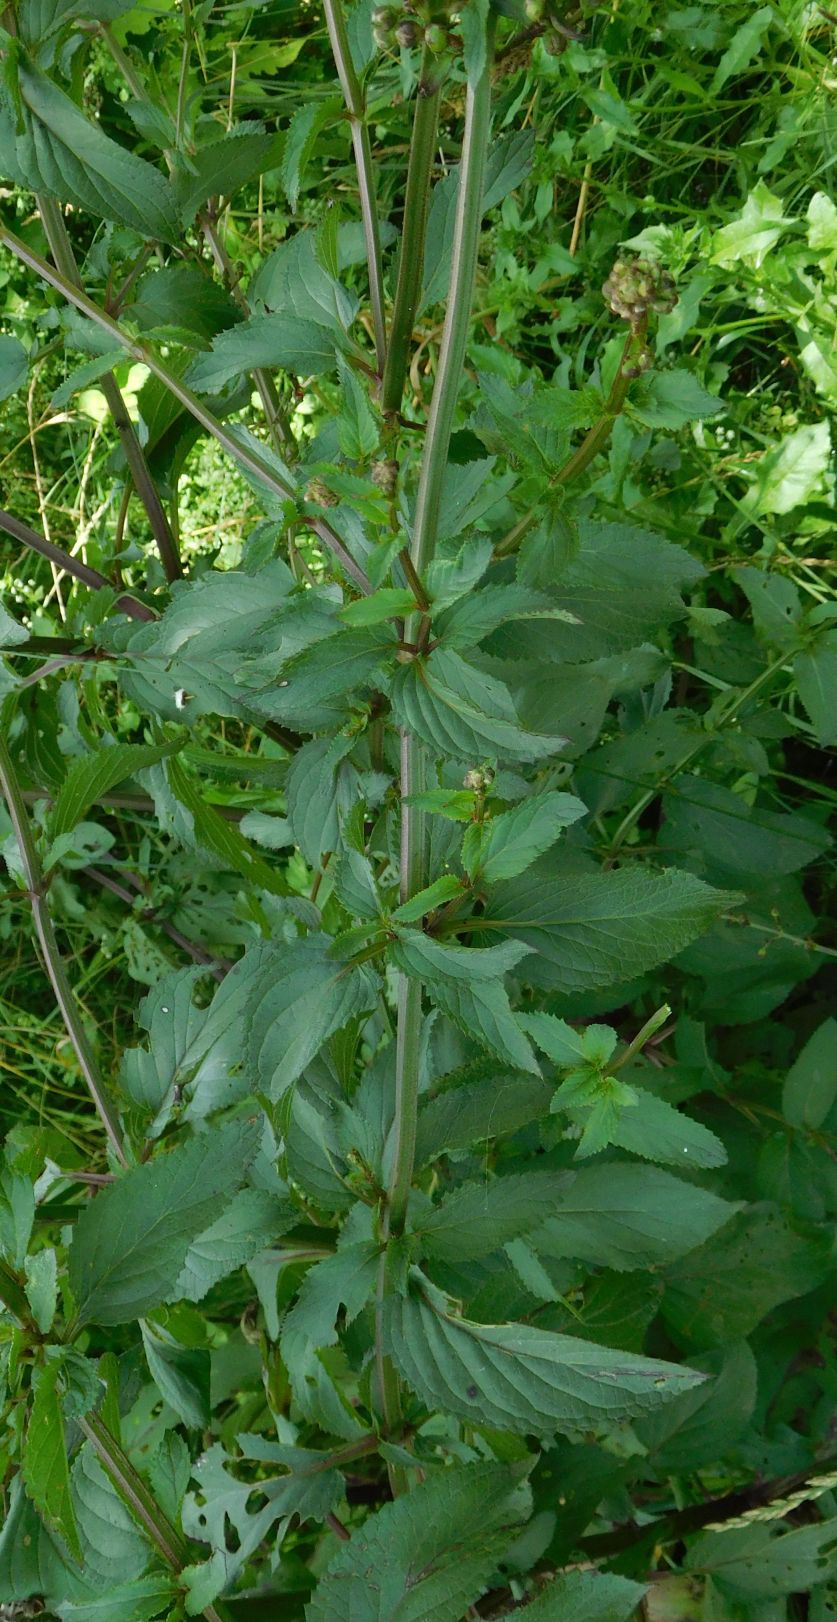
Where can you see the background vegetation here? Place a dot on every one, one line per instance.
(697, 693)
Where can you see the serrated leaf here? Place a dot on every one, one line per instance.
(815, 674)
(221, 167)
(303, 130)
(671, 399)
(345, 1280)
(445, 889)
(460, 711)
(764, 1562)
(586, 1596)
(180, 1373)
(131, 1241)
(626, 1216)
(253, 1220)
(518, 1378)
(472, 1111)
(596, 929)
(67, 156)
(429, 959)
(457, 804)
(42, 1287)
(386, 603)
(506, 845)
(471, 619)
(657, 1131)
(426, 1557)
(13, 366)
(94, 775)
(482, 1010)
(478, 1218)
(300, 997)
(320, 786)
(298, 346)
(137, 1601)
(220, 837)
(46, 1471)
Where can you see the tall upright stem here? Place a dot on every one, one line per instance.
(62, 252)
(356, 108)
(411, 257)
(237, 448)
(53, 961)
(413, 878)
(73, 566)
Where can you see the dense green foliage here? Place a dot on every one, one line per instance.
(417, 1081)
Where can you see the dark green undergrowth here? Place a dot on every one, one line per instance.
(417, 1066)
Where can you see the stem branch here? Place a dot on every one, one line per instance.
(411, 256)
(356, 107)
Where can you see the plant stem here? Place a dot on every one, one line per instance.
(356, 108)
(434, 462)
(64, 560)
(53, 961)
(134, 1492)
(62, 252)
(411, 257)
(237, 448)
(466, 237)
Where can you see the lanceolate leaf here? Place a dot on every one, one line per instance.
(506, 845)
(265, 340)
(480, 1217)
(518, 1378)
(627, 1216)
(46, 1471)
(459, 710)
(92, 776)
(61, 152)
(131, 1241)
(428, 1556)
(594, 929)
(586, 1596)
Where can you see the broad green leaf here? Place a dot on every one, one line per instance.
(811, 1085)
(627, 1216)
(180, 1373)
(586, 1596)
(507, 165)
(253, 1220)
(762, 1562)
(137, 1601)
(701, 1427)
(13, 366)
(17, 1215)
(42, 1287)
(445, 889)
(358, 431)
(130, 1243)
(480, 1217)
(655, 1130)
(731, 842)
(386, 603)
(482, 1010)
(475, 1110)
(432, 960)
(321, 786)
(92, 776)
(11, 633)
(296, 345)
(114, 1548)
(472, 618)
(221, 167)
(82, 376)
(305, 126)
(595, 929)
(62, 153)
(292, 281)
(564, 1046)
(506, 845)
(671, 399)
(460, 711)
(791, 473)
(319, 685)
(745, 46)
(457, 804)
(757, 229)
(815, 674)
(722, 1290)
(429, 1555)
(300, 997)
(46, 1471)
(345, 1280)
(517, 1378)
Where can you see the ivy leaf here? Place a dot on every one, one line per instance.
(517, 1378)
(506, 845)
(46, 1471)
(460, 711)
(596, 929)
(478, 1218)
(131, 1242)
(626, 1216)
(429, 1554)
(92, 776)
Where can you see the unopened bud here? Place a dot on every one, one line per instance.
(385, 475)
(408, 33)
(318, 492)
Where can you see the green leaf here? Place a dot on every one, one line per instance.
(180, 1373)
(756, 230)
(42, 1287)
(303, 130)
(345, 1280)
(596, 929)
(472, 618)
(723, 1290)
(114, 1549)
(358, 431)
(732, 842)
(221, 167)
(482, 1010)
(298, 346)
(811, 1086)
(445, 889)
(321, 785)
(457, 804)
(473, 1111)
(82, 376)
(11, 633)
(516, 1378)
(429, 959)
(478, 1218)
(13, 366)
(626, 1216)
(564, 1046)
(92, 776)
(130, 1243)
(701, 1427)
(671, 399)
(586, 1596)
(293, 282)
(300, 997)
(765, 1562)
(460, 711)
(815, 674)
(62, 153)
(427, 1556)
(747, 38)
(506, 845)
(46, 1472)
(137, 1601)
(791, 473)
(253, 1220)
(222, 838)
(386, 603)
(656, 1130)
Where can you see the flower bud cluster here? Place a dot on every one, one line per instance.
(636, 286)
(413, 23)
